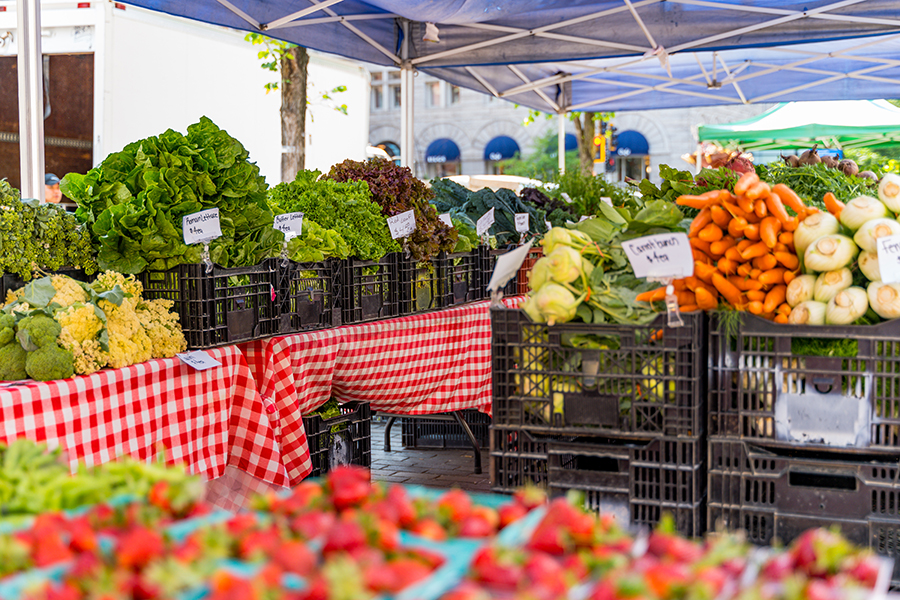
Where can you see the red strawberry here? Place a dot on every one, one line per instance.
(399, 499)
(312, 524)
(159, 495)
(49, 549)
(864, 569)
(295, 557)
(259, 544)
(667, 545)
(384, 536)
(667, 579)
(455, 505)
(430, 529)
(605, 590)
(817, 589)
(407, 571)
(307, 495)
(541, 569)
(530, 497)
(510, 513)
(467, 590)
(500, 568)
(550, 540)
(138, 547)
(712, 580)
(779, 567)
(346, 535)
(349, 485)
(476, 526)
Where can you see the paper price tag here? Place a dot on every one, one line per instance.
(484, 223)
(507, 266)
(201, 227)
(888, 249)
(605, 199)
(199, 359)
(446, 219)
(660, 256)
(522, 222)
(548, 224)
(584, 218)
(290, 224)
(402, 225)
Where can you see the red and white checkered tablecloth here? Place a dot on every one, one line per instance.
(205, 419)
(421, 364)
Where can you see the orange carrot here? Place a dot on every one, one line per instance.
(744, 284)
(760, 209)
(768, 231)
(759, 190)
(781, 318)
(736, 227)
(734, 254)
(688, 308)
(791, 224)
(699, 244)
(787, 259)
(704, 272)
(703, 218)
(720, 216)
(746, 204)
(779, 247)
(755, 307)
(833, 205)
(789, 197)
(727, 266)
(786, 238)
(710, 233)
(757, 295)
(686, 297)
(765, 262)
(705, 300)
(744, 269)
(698, 202)
(751, 232)
(678, 285)
(727, 289)
(789, 276)
(772, 277)
(776, 208)
(784, 309)
(722, 245)
(700, 255)
(755, 272)
(735, 210)
(656, 295)
(756, 250)
(775, 298)
(745, 182)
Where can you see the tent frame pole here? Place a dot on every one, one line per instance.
(407, 122)
(31, 99)
(561, 142)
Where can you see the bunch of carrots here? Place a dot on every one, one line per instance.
(743, 246)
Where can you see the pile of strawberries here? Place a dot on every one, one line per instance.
(572, 554)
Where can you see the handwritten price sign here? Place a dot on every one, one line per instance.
(888, 249)
(290, 224)
(201, 227)
(199, 359)
(402, 225)
(484, 223)
(661, 256)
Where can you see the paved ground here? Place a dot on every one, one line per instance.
(444, 468)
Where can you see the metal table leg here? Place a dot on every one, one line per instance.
(476, 450)
(387, 433)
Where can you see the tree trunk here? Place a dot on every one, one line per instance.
(586, 143)
(293, 112)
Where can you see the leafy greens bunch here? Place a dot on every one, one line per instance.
(397, 190)
(584, 273)
(134, 201)
(343, 209)
(35, 236)
(812, 182)
(676, 183)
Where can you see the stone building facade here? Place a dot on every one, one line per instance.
(475, 125)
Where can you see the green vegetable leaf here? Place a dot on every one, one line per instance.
(39, 292)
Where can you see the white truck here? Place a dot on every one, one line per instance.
(114, 74)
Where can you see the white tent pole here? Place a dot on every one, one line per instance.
(407, 137)
(561, 142)
(699, 165)
(31, 99)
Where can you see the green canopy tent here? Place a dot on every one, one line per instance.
(794, 125)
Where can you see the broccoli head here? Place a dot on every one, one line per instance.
(38, 331)
(12, 362)
(49, 362)
(7, 328)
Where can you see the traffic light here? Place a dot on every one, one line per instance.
(613, 138)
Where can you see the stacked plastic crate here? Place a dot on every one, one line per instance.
(615, 411)
(800, 440)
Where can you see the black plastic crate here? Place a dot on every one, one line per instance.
(420, 288)
(342, 440)
(370, 290)
(534, 255)
(636, 480)
(308, 295)
(422, 432)
(488, 260)
(460, 278)
(641, 381)
(223, 306)
(776, 492)
(761, 389)
(12, 281)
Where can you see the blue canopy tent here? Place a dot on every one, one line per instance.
(564, 55)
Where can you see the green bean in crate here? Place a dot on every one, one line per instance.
(612, 380)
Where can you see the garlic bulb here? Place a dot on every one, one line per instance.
(800, 289)
(848, 306)
(829, 283)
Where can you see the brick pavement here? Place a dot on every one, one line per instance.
(443, 468)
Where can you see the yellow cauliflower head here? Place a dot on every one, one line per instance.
(68, 291)
(161, 325)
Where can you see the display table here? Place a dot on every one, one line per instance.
(205, 419)
(427, 363)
